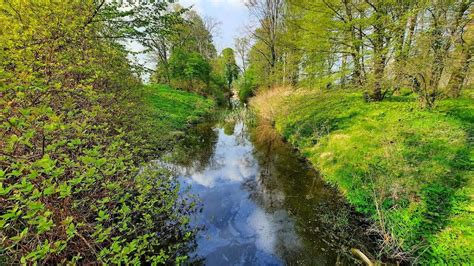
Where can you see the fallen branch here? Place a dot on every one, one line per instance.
(356, 252)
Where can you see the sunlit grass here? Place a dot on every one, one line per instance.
(408, 168)
(178, 107)
(169, 112)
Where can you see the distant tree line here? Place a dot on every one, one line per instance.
(187, 58)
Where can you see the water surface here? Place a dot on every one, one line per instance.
(263, 204)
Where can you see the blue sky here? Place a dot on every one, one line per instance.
(232, 14)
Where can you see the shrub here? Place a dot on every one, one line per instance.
(247, 86)
(70, 186)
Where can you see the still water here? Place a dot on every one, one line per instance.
(263, 204)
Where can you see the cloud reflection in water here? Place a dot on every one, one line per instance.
(238, 229)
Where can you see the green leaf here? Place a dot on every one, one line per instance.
(64, 190)
(20, 236)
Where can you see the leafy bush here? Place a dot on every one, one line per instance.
(217, 89)
(189, 71)
(246, 85)
(70, 186)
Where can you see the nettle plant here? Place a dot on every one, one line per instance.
(70, 186)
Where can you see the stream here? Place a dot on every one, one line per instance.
(262, 204)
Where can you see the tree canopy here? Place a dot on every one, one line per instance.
(379, 46)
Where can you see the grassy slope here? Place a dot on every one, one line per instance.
(170, 112)
(177, 108)
(416, 165)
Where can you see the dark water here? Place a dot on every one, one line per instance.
(262, 204)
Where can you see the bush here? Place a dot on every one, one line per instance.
(70, 186)
(247, 86)
(189, 71)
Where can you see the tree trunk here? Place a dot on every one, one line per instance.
(442, 44)
(404, 36)
(379, 56)
(411, 30)
(459, 74)
(355, 46)
(343, 68)
(379, 64)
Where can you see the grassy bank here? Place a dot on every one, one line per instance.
(170, 112)
(176, 109)
(410, 169)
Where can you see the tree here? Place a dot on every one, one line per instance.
(187, 32)
(444, 24)
(269, 13)
(242, 46)
(231, 70)
(377, 46)
(246, 85)
(461, 68)
(307, 34)
(189, 70)
(195, 35)
(380, 39)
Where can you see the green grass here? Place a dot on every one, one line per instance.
(177, 109)
(414, 165)
(170, 112)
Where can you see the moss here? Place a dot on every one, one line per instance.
(415, 164)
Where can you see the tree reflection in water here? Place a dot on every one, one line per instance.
(262, 204)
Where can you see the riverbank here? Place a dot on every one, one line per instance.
(258, 198)
(407, 168)
(168, 114)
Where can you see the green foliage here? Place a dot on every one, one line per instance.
(231, 70)
(217, 88)
(189, 71)
(410, 169)
(192, 72)
(376, 46)
(71, 116)
(169, 112)
(246, 85)
(194, 35)
(187, 57)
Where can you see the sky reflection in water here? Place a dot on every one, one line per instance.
(255, 206)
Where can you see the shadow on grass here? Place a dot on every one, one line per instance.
(440, 196)
(400, 99)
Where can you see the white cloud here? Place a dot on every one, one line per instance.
(202, 6)
(232, 14)
(234, 3)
